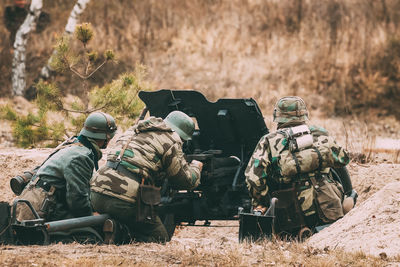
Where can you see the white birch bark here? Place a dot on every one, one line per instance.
(18, 78)
(76, 12)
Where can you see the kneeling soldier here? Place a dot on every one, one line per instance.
(60, 187)
(293, 164)
(127, 188)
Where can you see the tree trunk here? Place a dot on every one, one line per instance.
(21, 38)
(76, 12)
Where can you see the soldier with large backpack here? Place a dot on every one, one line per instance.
(128, 186)
(294, 165)
(59, 188)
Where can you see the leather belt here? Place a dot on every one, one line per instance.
(121, 169)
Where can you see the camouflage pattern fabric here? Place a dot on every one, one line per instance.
(154, 152)
(267, 168)
(308, 159)
(125, 213)
(290, 109)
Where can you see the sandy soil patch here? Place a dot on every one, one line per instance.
(359, 239)
(373, 227)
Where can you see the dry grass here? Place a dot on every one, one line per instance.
(200, 246)
(244, 48)
(176, 253)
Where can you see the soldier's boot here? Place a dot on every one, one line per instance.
(110, 231)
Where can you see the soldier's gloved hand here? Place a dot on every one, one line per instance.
(197, 163)
(259, 210)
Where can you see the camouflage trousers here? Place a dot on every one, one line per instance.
(125, 213)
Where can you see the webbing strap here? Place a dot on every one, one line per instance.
(58, 148)
(319, 158)
(314, 183)
(122, 152)
(296, 160)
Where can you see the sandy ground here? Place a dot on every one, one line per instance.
(370, 232)
(373, 227)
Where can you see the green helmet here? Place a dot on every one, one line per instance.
(99, 125)
(290, 109)
(180, 123)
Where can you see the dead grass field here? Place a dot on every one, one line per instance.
(216, 245)
(338, 54)
(201, 251)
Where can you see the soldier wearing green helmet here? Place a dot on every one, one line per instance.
(181, 123)
(145, 155)
(99, 126)
(297, 157)
(62, 181)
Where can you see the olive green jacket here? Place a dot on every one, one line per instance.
(69, 170)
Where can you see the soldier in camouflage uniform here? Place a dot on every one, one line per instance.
(64, 177)
(152, 152)
(277, 164)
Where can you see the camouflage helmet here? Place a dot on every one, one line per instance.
(99, 125)
(290, 109)
(180, 123)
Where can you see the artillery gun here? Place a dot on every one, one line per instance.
(227, 132)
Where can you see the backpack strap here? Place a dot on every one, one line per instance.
(61, 146)
(319, 162)
(115, 164)
(67, 143)
(296, 160)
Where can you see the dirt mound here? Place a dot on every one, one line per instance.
(373, 227)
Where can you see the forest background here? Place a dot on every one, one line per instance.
(343, 56)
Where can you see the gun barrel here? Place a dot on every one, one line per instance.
(68, 224)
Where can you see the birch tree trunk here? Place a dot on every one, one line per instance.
(18, 78)
(76, 12)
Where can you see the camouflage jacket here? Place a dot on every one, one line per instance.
(265, 168)
(154, 152)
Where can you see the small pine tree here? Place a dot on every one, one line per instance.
(119, 97)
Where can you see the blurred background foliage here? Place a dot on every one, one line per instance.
(342, 56)
(54, 117)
